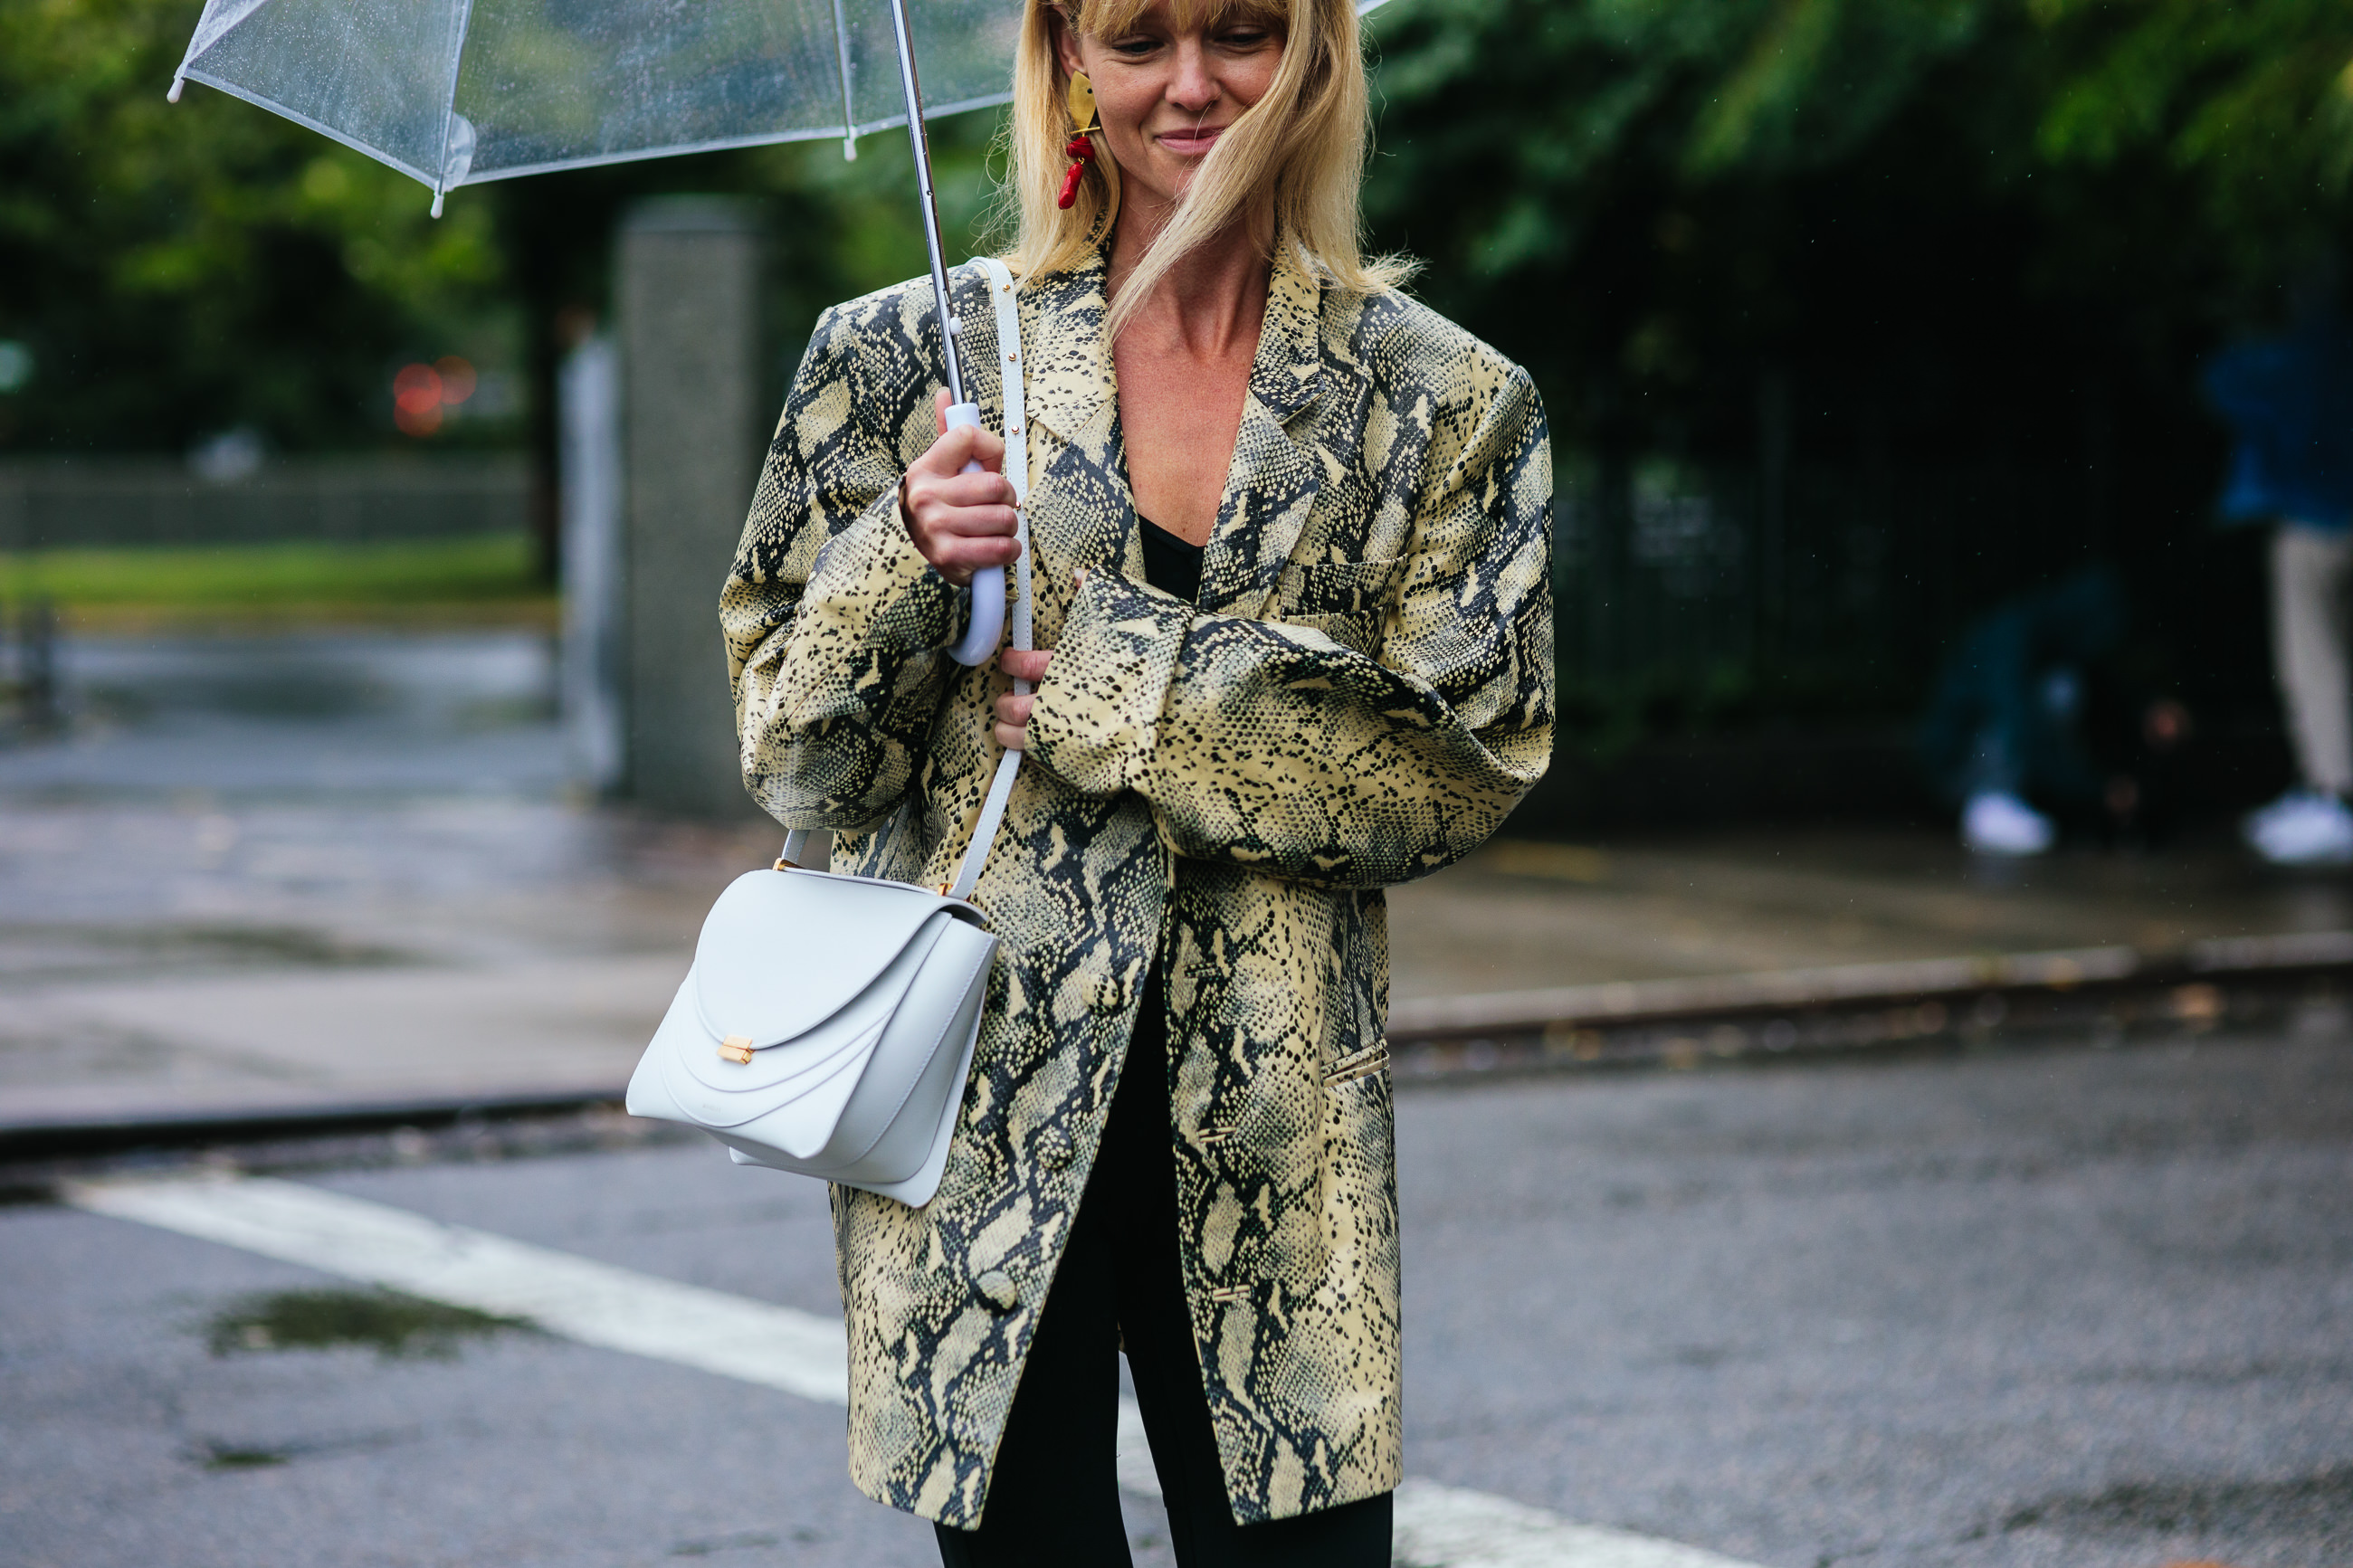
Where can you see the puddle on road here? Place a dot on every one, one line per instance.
(228, 1456)
(749, 1541)
(394, 1326)
(225, 1457)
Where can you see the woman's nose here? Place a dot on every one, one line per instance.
(1192, 88)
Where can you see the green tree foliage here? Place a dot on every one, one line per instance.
(2253, 103)
(177, 269)
(1642, 193)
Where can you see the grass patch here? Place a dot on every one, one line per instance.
(393, 1325)
(231, 579)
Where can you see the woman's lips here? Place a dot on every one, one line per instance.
(1191, 138)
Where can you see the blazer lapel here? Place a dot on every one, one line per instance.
(1271, 485)
(1082, 511)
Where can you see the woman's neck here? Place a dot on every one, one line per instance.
(1211, 299)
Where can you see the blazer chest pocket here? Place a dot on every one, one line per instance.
(1347, 601)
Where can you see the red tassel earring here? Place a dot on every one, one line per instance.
(1081, 149)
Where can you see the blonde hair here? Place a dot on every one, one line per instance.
(1303, 146)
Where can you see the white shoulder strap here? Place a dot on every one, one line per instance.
(1014, 373)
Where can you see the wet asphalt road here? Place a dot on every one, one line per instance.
(2080, 1307)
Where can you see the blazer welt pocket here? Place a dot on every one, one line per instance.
(1358, 1064)
(1336, 587)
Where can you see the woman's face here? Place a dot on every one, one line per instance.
(1164, 94)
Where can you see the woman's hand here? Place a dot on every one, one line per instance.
(1012, 711)
(960, 522)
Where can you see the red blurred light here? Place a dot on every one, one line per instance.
(417, 421)
(456, 379)
(417, 390)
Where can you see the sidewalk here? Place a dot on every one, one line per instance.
(226, 909)
(280, 974)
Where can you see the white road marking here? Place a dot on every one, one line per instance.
(1447, 1527)
(595, 1303)
(754, 1342)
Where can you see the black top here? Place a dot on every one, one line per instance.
(1171, 564)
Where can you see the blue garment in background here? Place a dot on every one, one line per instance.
(2289, 403)
(2008, 709)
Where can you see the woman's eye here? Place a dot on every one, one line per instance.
(1134, 48)
(1244, 37)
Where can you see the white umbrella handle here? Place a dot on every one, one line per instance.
(985, 626)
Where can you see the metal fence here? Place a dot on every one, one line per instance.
(1817, 589)
(68, 503)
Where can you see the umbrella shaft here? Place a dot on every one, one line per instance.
(923, 148)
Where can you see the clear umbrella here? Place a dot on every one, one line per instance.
(455, 92)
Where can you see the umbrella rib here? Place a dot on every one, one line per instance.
(841, 54)
(464, 20)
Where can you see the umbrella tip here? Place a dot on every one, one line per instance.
(436, 204)
(177, 83)
(848, 149)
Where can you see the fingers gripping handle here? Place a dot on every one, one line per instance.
(985, 628)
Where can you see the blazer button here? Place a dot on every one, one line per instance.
(997, 1289)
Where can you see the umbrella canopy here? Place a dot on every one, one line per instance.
(454, 92)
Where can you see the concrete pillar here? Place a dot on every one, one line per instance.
(688, 296)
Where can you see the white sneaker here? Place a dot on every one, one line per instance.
(2302, 827)
(1996, 822)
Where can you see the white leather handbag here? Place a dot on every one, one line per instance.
(828, 1022)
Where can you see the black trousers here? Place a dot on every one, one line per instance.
(1053, 1501)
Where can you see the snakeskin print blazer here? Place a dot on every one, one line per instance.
(1362, 692)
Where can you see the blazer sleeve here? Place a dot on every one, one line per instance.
(835, 624)
(1273, 747)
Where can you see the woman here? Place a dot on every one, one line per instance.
(1322, 666)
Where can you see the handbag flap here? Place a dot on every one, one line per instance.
(782, 951)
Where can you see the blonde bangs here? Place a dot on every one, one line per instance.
(1105, 18)
(1300, 149)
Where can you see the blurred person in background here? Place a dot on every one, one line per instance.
(2032, 723)
(2288, 400)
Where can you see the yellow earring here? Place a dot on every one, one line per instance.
(1080, 150)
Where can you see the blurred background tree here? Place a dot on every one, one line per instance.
(1640, 196)
(1915, 288)
(176, 270)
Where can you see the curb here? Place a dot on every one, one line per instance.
(1678, 1023)
(1860, 984)
(53, 1139)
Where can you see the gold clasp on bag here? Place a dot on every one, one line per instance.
(737, 1048)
